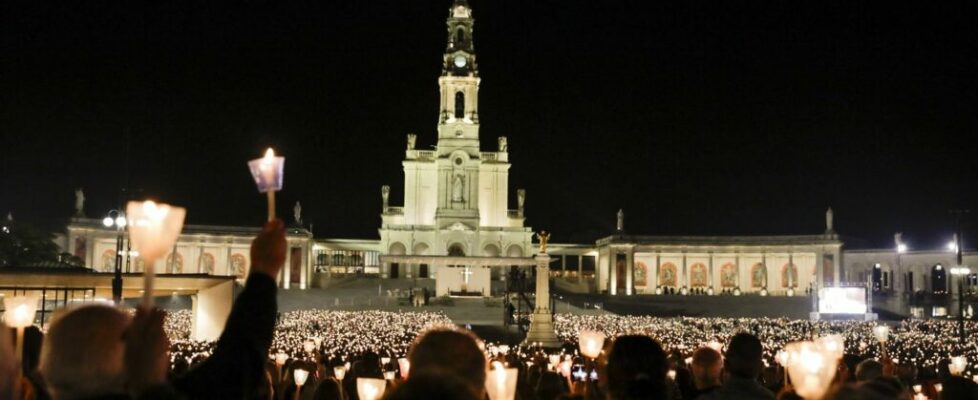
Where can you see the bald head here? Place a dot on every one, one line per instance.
(82, 352)
(454, 352)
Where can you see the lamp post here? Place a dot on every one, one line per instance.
(960, 271)
(117, 219)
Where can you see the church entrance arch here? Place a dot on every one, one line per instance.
(421, 249)
(396, 249)
(456, 250)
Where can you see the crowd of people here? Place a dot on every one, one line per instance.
(100, 352)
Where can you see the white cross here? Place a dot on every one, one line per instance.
(465, 275)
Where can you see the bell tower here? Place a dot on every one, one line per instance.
(458, 121)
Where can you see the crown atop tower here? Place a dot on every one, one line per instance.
(460, 53)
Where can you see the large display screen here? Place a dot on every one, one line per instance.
(839, 300)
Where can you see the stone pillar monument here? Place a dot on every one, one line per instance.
(542, 322)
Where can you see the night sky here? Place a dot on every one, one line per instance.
(696, 117)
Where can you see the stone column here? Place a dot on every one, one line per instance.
(541, 322)
(612, 271)
(630, 272)
(580, 268)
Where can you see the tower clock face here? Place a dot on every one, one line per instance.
(460, 61)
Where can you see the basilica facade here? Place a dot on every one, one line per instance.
(456, 197)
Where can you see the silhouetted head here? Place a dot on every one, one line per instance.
(743, 357)
(450, 352)
(636, 368)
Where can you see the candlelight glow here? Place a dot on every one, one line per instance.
(370, 388)
(155, 228)
(20, 311)
(281, 358)
(268, 171)
(957, 365)
(812, 368)
(501, 382)
(405, 366)
(339, 372)
(591, 343)
(882, 333)
(300, 376)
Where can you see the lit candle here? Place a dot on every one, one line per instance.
(671, 374)
(957, 365)
(590, 343)
(153, 230)
(405, 366)
(339, 372)
(268, 173)
(811, 368)
(501, 382)
(370, 388)
(19, 314)
(300, 376)
(833, 344)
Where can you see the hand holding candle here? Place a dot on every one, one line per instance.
(268, 173)
(153, 230)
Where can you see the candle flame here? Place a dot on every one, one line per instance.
(269, 154)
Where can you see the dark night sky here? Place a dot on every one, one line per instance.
(696, 117)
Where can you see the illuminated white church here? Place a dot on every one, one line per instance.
(456, 197)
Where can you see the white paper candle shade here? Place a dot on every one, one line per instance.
(370, 388)
(389, 375)
(20, 311)
(300, 376)
(591, 343)
(268, 172)
(405, 367)
(385, 360)
(339, 372)
(318, 341)
(308, 346)
(501, 383)
(554, 359)
(882, 333)
(811, 368)
(154, 228)
(834, 344)
(281, 358)
(957, 365)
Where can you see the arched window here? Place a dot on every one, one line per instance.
(758, 276)
(459, 37)
(667, 275)
(789, 276)
(459, 105)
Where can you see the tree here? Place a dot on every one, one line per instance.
(24, 245)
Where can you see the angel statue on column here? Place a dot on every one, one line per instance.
(543, 237)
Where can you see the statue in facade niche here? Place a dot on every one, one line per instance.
(297, 213)
(385, 194)
(411, 140)
(79, 203)
(458, 187)
(520, 200)
(620, 227)
(503, 146)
